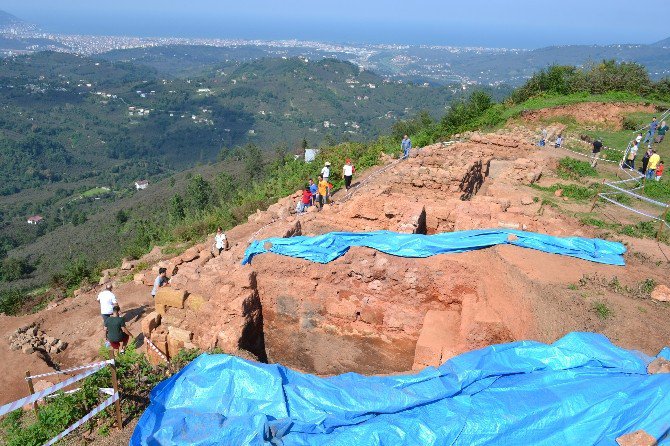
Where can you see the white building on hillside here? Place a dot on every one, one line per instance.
(141, 184)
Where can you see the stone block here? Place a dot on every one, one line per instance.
(174, 346)
(171, 297)
(440, 331)
(372, 314)
(150, 322)
(153, 356)
(139, 278)
(161, 309)
(195, 302)
(180, 334)
(343, 309)
(637, 438)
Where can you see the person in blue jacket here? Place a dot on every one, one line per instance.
(406, 145)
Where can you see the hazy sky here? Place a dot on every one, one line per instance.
(511, 23)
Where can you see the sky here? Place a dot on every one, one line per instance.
(493, 23)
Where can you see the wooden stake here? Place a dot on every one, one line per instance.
(115, 385)
(595, 199)
(31, 389)
(663, 220)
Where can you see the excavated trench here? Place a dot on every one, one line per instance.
(373, 313)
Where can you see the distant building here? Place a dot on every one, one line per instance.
(310, 154)
(35, 220)
(141, 184)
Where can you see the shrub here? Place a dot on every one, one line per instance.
(602, 310)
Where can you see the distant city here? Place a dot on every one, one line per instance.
(416, 63)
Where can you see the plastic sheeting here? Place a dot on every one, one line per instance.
(328, 247)
(581, 390)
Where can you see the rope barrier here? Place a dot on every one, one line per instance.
(48, 391)
(653, 217)
(63, 372)
(153, 347)
(639, 197)
(108, 402)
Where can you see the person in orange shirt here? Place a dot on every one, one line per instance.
(322, 196)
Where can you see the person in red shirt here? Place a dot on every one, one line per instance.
(659, 171)
(305, 200)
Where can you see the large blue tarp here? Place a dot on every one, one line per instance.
(581, 390)
(328, 247)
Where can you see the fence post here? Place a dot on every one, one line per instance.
(31, 389)
(663, 220)
(598, 192)
(115, 385)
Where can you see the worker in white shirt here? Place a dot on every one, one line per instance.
(107, 301)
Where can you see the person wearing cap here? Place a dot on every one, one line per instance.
(107, 301)
(325, 172)
(348, 172)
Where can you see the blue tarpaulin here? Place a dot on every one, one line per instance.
(328, 247)
(581, 390)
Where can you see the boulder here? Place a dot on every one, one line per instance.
(661, 293)
(558, 193)
(139, 278)
(190, 255)
(127, 264)
(195, 302)
(27, 349)
(170, 297)
(526, 200)
(658, 365)
(637, 438)
(180, 334)
(150, 322)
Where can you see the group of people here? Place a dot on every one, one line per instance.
(319, 193)
(652, 165)
(117, 334)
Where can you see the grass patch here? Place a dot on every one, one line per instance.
(602, 310)
(95, 192)
(571, 190)
(572, 169)
(658, 190)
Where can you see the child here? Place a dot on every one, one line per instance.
(305, 201)
(659, 171)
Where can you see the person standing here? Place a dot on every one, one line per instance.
(107, 301)
(653, 125)
(220, 240)
(322, 197)
(160, 281)
(313, 188)
(348, 173)
(654, 159)
(645, 161)
(116, 332)
(406, 146)
(662, 130)
(659, 171)
(597, 147)
(630, 158)
(325, 172)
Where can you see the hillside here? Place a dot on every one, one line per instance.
(372, 312)
(73, 125)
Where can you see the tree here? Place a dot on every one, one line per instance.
(253, 162)
(122, 216)
(176, 210)
(224, 187)
(198, 194)
(304, 144)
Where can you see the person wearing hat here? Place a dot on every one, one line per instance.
(325, 172)
(348, 172)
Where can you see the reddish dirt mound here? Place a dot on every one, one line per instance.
(610, 114)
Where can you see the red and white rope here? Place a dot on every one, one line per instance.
(48, 391)
(65, 371)
(108, 402)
